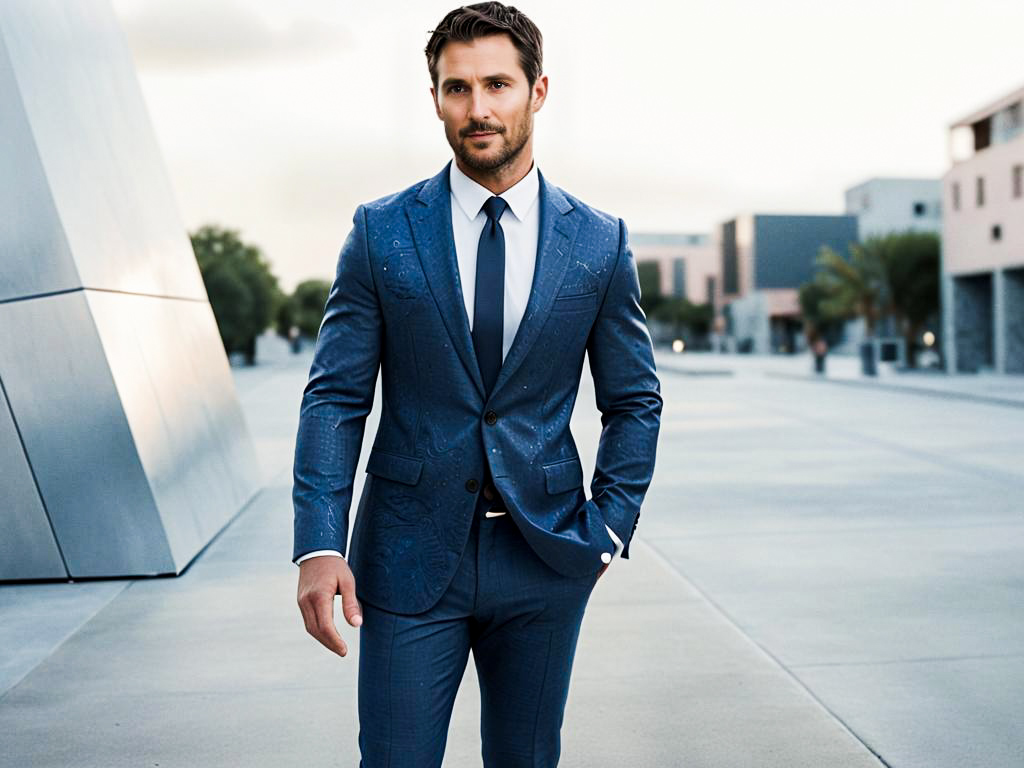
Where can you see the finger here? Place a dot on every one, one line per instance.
(326, 631)
(350, 607)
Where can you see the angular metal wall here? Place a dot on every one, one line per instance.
(123, 449)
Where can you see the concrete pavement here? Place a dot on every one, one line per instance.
(802, 569)
(214, 668)
(871, 540)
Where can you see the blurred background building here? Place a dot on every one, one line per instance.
(884, 206)
(765, 258)
(983, 240)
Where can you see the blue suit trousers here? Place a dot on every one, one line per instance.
(521, 620)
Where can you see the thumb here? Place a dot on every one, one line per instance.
(349, 605)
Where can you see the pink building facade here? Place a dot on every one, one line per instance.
(983, 240)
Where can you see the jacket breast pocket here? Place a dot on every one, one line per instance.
(394, 466)
(564, 475)
(402, 274)
(575, 302)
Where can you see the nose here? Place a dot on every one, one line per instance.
(478, 108)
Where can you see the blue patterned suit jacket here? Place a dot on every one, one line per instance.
(396, 305)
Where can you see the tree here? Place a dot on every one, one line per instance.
(682, 314)
(304, 309)
(649, 275)
(855, 287)
(895, 278)
(243, 292)
(914, 271)
(816, 324)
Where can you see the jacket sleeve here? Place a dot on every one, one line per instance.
(336, 400)
(628, 395)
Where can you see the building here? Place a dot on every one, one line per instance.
(884, 206)
(983, 240)
(764, 260)
(687, 263)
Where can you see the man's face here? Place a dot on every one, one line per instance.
(485, 102)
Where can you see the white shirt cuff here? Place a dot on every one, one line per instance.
(320, 553)
(606, 557)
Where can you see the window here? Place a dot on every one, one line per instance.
(1018, 181)
(956, 195)
(997, 233)
(920, 209)
(980, 192)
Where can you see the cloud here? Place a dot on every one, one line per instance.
(206, 34)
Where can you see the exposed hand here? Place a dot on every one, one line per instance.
(320, 579)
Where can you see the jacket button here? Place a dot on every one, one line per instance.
(472, 485)
(489, 492)
(491, 417)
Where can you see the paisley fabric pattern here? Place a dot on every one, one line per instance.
(395, 307)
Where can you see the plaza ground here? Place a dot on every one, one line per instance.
(828, 573)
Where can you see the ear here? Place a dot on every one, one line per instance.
(540, 92)
(437, 107)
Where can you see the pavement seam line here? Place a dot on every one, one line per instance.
(908, 389)
(668, 565)
(63, 641)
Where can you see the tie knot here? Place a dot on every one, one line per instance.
(494, 207)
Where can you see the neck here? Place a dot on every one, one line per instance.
(505, 177)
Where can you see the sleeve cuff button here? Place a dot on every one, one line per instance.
(606, 557)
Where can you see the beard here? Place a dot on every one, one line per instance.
(511, 143)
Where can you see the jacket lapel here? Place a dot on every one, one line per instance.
(554, 245)
(430, 216)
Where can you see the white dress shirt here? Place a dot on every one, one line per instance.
(520, 224)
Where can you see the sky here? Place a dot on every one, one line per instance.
(278, 119)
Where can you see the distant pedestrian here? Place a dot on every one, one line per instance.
(820, 349)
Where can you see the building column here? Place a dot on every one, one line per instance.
(999, 317)
(948, 324)
(1013, 320)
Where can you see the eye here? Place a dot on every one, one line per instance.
(498, 84)
(456, 88)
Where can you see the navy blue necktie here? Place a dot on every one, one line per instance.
(489, 300)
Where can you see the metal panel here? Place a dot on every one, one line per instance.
(27, 547)
(118, 383)
(77, 439)
(36, 257)
(78, 92)
(173, 412)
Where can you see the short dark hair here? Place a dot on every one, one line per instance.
(470, 22)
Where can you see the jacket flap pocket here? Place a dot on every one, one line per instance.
(575, 301)
(563, 475)
(401, 469)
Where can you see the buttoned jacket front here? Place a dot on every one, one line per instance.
(396, 305)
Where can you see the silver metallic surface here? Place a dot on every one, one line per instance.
(27, 546)
(109, 351)
(76, 92)
(34, 254)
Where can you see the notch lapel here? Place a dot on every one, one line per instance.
(430, 216)
(554, 245)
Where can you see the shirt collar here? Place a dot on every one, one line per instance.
(471, 196)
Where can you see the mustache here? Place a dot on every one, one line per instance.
(475, 127)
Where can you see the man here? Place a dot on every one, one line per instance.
(476, 293)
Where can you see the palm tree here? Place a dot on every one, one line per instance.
(857, 287)
(894, 278)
